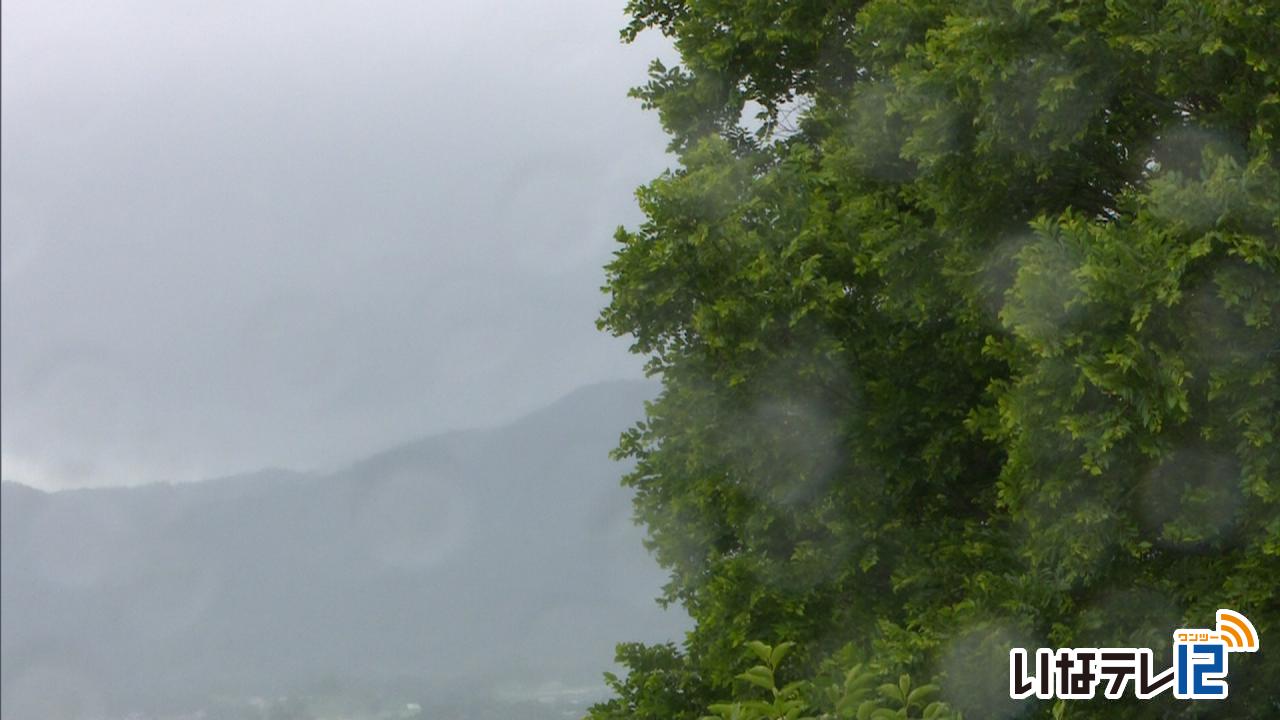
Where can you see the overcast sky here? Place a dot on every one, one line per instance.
(242, 234)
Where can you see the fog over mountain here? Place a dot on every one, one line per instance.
(245, 234)
(482, 573)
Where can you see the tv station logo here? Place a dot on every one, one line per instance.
(1199, 670)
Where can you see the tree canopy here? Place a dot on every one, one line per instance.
(968, 321)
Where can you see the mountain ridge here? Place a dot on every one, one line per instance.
(644, 389)
(487, 559)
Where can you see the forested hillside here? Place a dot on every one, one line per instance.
(482, 574)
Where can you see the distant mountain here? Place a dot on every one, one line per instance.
(460, 572)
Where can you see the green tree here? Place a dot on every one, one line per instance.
(968, 321)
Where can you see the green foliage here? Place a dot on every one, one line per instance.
(660, 684)
(856, 697)
(782, 703)
(970, 339)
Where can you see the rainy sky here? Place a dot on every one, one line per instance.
(249, 234)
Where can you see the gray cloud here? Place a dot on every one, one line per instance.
(241, 234)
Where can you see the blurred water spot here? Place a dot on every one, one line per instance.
(976, 668)
(1190, 498)
(1218, 334)
(1133, 617)
(996, 272)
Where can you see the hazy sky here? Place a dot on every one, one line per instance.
(239, 234)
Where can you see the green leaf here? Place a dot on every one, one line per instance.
(779, 652)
